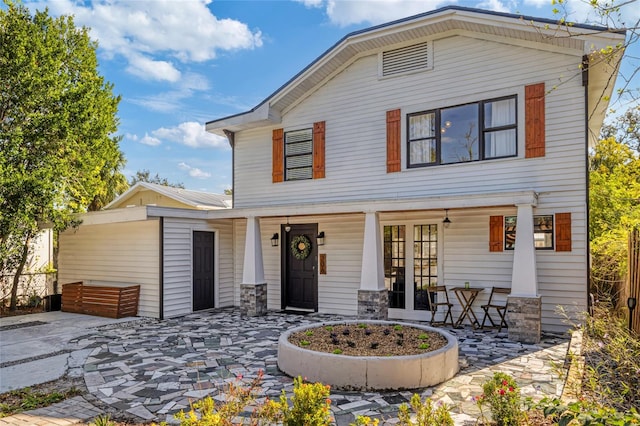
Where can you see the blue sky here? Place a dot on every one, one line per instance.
(180, 63)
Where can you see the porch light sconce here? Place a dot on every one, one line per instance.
(631, 304)
(320, 238)
(274, 240)
(446, 222)
(287, 228)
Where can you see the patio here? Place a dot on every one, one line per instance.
(152, 369)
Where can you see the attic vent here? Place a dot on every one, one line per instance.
(406, 59)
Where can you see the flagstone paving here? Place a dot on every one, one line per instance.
(156, 368)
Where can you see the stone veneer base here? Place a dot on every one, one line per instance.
(253, 299)
(369, 373)
(373, 304)
(524, 317)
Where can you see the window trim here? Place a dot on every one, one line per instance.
(482, 131)
(552, 232)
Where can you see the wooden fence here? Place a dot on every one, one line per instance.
(104, 301)
(634, 276)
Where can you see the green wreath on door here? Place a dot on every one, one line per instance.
(300, 247)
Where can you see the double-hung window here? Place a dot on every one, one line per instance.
(471, 132)
(298, 154)
(542, 232)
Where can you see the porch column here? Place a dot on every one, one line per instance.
(373, 299)
(524, 308)
(253, 290)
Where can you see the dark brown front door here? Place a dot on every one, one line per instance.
(300, 279)
(203, 245)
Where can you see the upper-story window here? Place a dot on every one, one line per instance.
(471, 132)
(298, 154)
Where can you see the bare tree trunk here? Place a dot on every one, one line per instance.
(19, 269)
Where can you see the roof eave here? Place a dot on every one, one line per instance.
(260, 116)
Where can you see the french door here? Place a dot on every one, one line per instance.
(411, 265)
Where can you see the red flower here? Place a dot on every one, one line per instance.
(504, 383)
(501, 391)
(510, 388)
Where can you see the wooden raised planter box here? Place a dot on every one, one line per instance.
(104, 301)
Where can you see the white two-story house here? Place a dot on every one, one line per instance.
(444, 148)
(478, 119)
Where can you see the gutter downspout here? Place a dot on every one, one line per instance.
(231, 137)
(585, 84)
(161, 268)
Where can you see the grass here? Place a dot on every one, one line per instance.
(28, 399)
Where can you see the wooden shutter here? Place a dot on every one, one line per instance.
(563, 231)
(393, 141)
(318, 150)
(278, 155)
(534, 120)
(496, 233)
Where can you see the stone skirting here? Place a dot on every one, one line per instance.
(524, 317)
(373, 304)
(253, 299)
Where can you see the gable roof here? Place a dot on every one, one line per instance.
(195, 199)
(584, 39)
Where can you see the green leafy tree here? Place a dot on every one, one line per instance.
(145, 176)
(614, 197)
(58, 154)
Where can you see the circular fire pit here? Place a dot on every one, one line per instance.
(369, 372)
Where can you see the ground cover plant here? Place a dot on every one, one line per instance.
(20, 400)
(366, 339)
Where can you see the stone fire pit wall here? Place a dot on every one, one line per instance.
(369, 373)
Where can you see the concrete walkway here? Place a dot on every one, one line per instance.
(36, 348)
(152, 369)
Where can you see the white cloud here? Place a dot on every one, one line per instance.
(149, 140)
(171, 100)
(194, 171)
(143, 30)
(311, 3)
(150, 69)
(494, 5)
(191, 134)
(345, 13)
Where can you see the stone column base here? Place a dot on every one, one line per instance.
(373, 304)
(253, 299)
(524, 317)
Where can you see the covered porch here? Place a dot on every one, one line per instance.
(354, 261)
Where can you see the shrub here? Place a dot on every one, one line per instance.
(585, 412)
(502, 395)
(310, 406)
(426, 414)
(612, 360)
(207, 413)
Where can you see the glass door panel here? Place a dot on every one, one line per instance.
(425, 263)
(394, 265)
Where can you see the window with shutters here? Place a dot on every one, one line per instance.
(472, 132)
(542, 232)
(298, 154)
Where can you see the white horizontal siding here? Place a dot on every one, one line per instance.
(178, 258)
(354, 103)
(114, 254)
(465, 257)
(338, 288)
